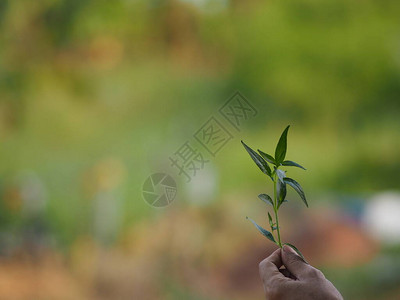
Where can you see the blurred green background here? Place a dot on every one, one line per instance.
(96, 95)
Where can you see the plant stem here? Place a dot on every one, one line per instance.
(276, 211)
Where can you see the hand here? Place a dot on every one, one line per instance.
(298, 280)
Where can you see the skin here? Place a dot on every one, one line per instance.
(297, 280)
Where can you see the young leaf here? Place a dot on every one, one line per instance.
(267, 157)
(260, 162)
(281, 174)
(297, 187)
(292, 164)
(267, 199)
(297, 250)
(264, 232)
(281, 191)
(280, 151)
(270, 220)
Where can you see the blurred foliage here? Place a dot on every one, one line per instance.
(95, 95)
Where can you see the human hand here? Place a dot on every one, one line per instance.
(298, 280)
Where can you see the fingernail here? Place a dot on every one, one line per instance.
(288, 249)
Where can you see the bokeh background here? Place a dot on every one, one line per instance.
(96, 95)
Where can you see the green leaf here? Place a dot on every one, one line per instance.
(267, 199)
(295, 249)
(260, 162)
(271, 223)
(292, 164)
(297, 187)
(270, 220)
(280, 151)
(267, 157)
(281, 191)
(281, 174)
(264, 232)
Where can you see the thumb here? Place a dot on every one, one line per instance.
(294, 263)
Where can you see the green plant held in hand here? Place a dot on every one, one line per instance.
(280, 181)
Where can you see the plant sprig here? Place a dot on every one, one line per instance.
(280, 181)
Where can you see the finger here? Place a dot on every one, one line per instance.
(294, 263)
(287, 274)
(269, 268)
